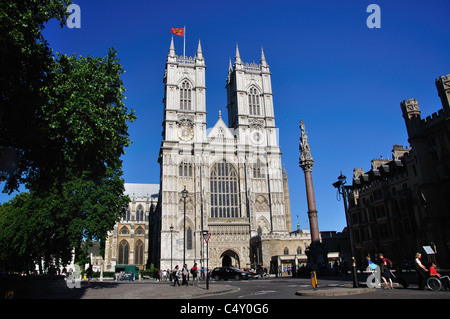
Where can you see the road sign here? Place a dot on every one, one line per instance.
(207, 237)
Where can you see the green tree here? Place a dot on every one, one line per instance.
(67, 151)
(25, 64)
(86, 121)
(85, 118)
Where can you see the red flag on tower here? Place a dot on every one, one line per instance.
(178, 31)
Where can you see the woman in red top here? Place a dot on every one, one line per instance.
(194, 272)
(386, 272)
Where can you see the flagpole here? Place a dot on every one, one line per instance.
(184, 41)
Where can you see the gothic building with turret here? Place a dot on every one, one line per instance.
(403, 204)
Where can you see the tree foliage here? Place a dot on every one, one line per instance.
(25, 63)
(65, 127)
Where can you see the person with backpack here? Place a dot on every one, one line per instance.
(194, 272)
(386, 266)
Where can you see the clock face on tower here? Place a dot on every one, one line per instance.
(257, 137)
(185, 133)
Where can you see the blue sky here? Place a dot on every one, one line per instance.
(344, 80)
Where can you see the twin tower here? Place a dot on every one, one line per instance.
(225, 179)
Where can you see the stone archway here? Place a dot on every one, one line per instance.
(230, 259)
(226, 261)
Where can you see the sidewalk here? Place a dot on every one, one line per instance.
(332, 291)
(151, 290)
(146, 289)
(347, 289)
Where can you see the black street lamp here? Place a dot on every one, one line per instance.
(184, 194)
(171, 244)
(205, 233)
(343, 190)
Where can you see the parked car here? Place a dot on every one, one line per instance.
(228, 273)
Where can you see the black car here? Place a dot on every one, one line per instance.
(228, 273)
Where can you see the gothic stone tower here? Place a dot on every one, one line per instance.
(233, 174)
(184, 130)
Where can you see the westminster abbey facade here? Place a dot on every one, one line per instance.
(228, 180)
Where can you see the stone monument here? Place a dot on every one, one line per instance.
(315, 252)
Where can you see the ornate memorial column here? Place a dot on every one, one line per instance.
(316, 253)
(306, 163)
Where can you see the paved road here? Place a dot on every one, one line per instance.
(261, 298)
(328, 288)
(261, 289)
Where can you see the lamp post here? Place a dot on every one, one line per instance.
(184, 194)
(206, 236)
(343, 190)
(171, 245)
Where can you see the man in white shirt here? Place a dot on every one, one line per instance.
(421, 271)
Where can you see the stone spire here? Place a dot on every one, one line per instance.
(199, 51)
(172, 49)
(263, 58)
(237, 59)
(230, 71)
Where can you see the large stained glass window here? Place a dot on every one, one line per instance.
(224, 191)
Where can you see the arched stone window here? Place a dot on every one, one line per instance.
(259, 170)
(224, 191)
(139, 253)
(189, 239)
(253, 102)
(139, 214)
(220, 134)
(124, 250)
(139, 231)
(185, 170)
(286, 251)
(185, 96)
(124, 231)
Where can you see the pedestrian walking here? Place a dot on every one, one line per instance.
(89, 275)
(184, 274)
(176, 276)
(421, 271)
(194, 272)
(386, 266)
